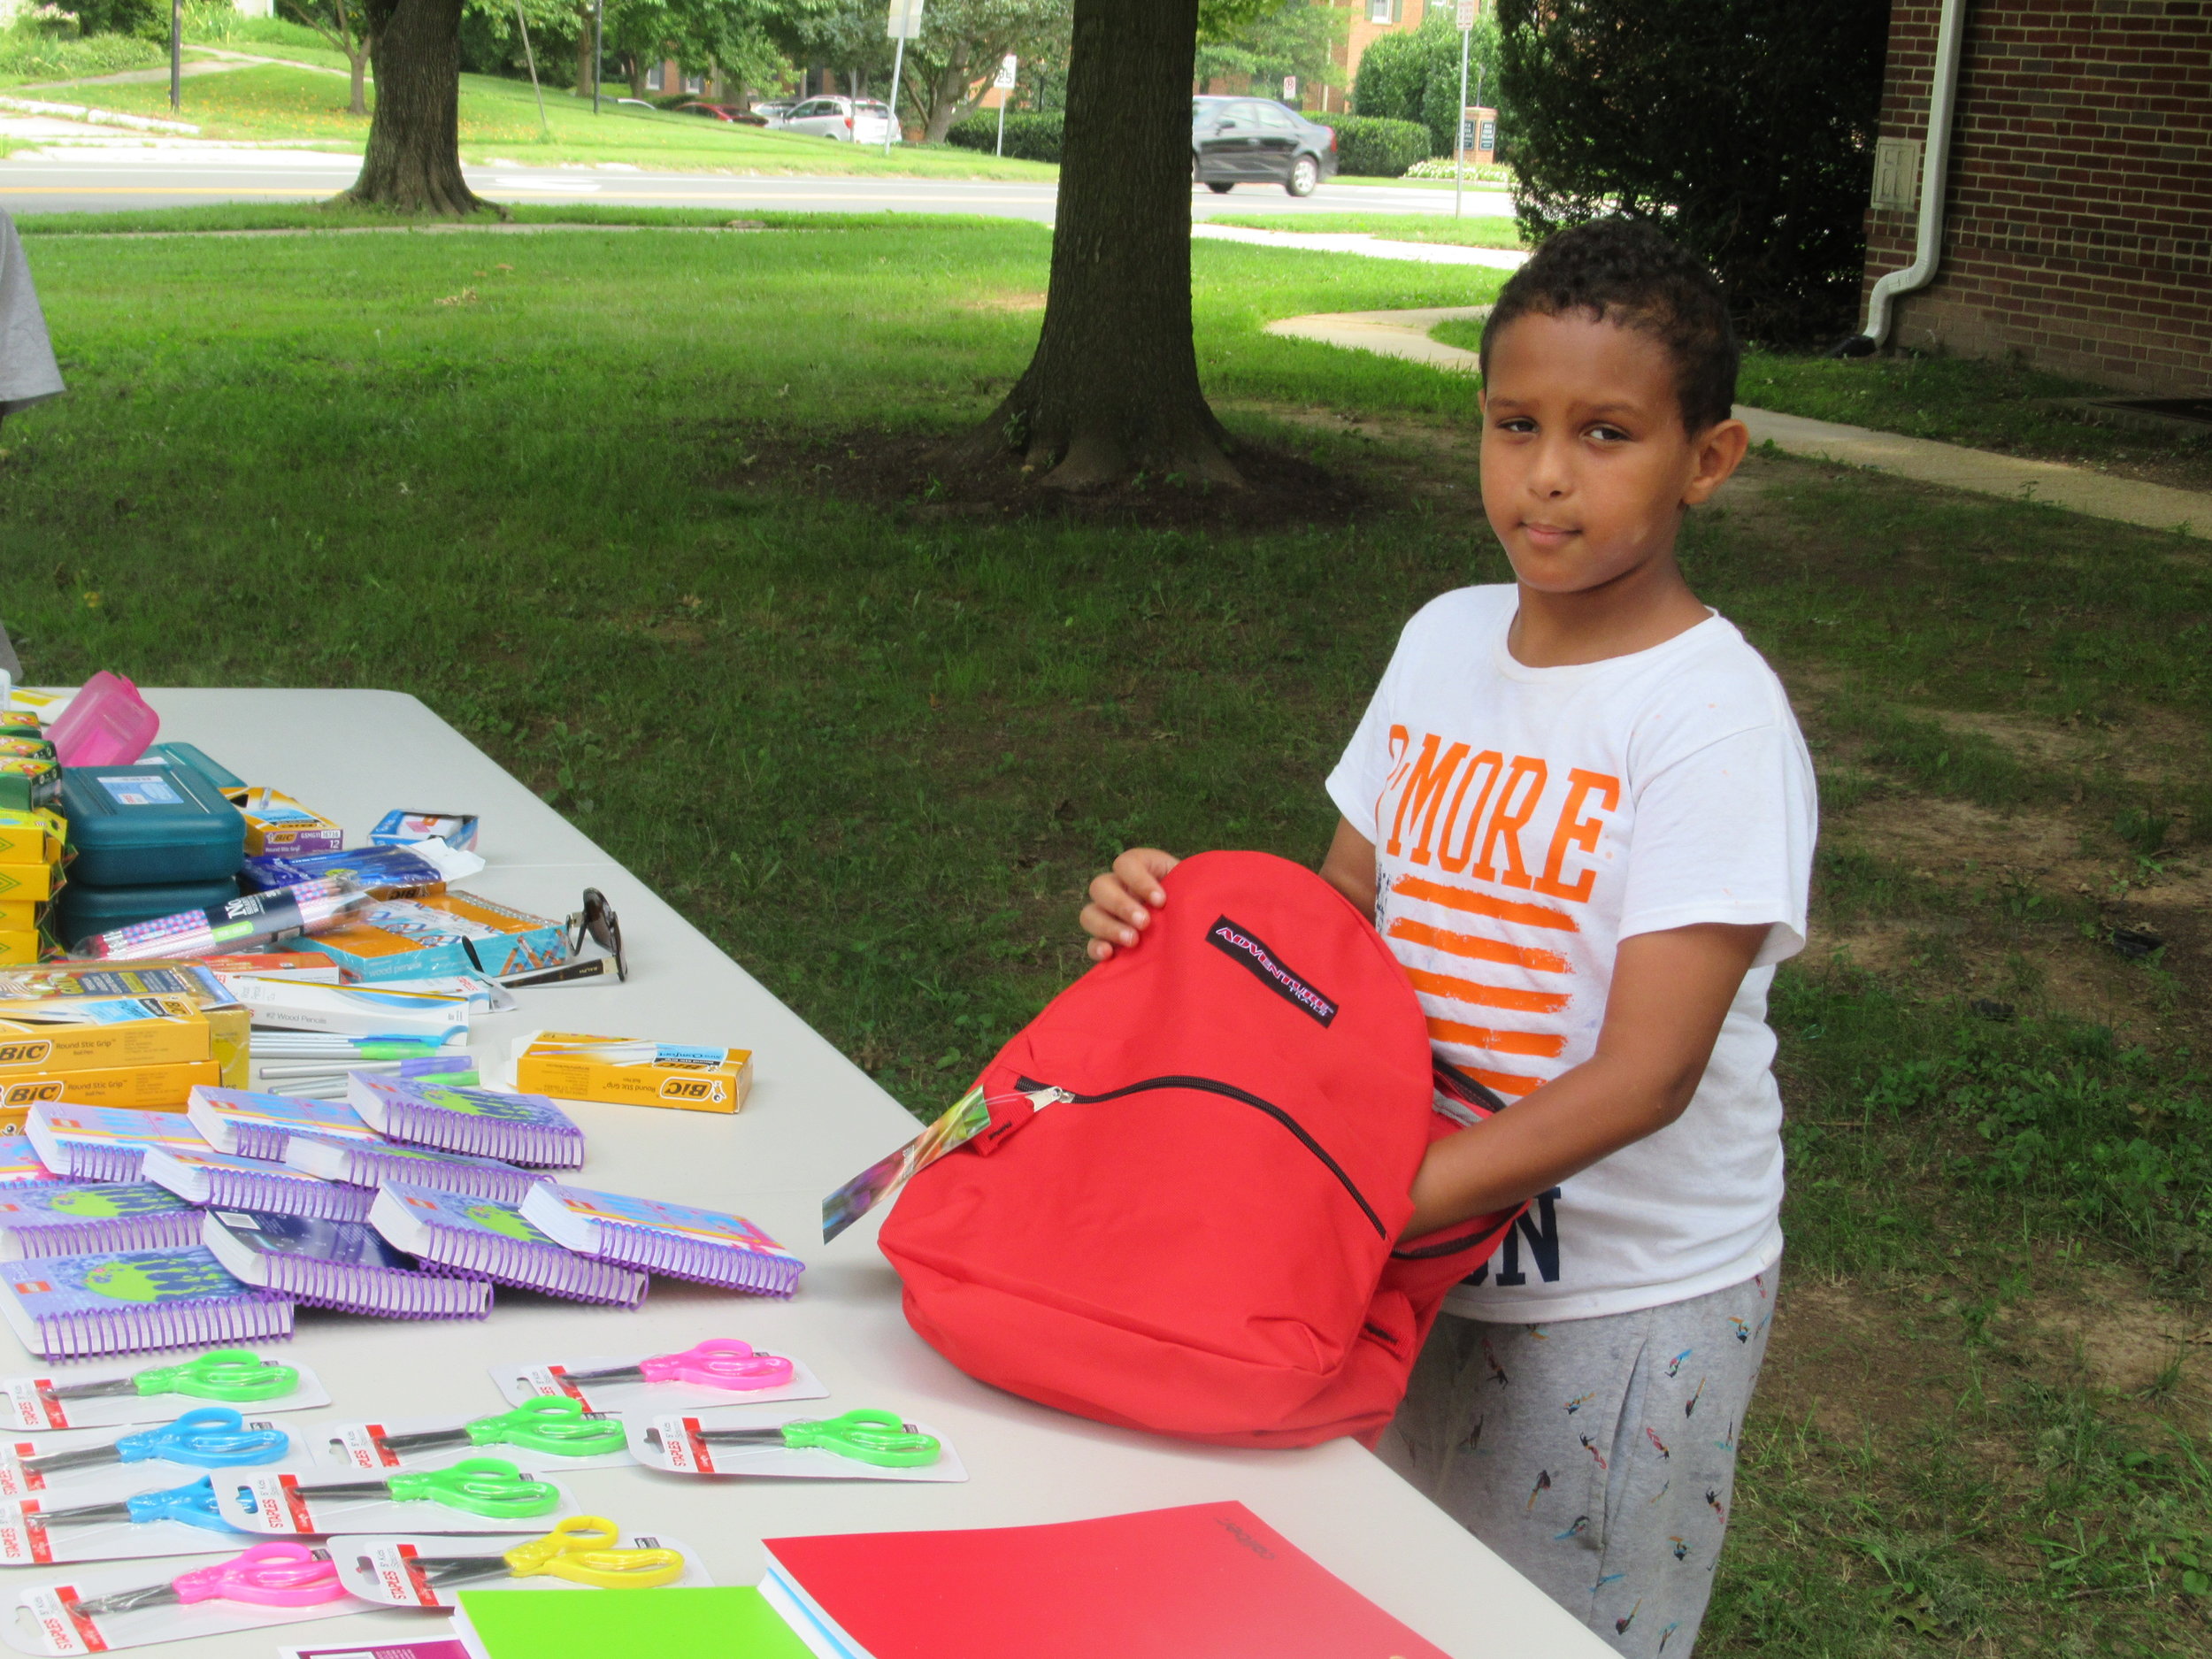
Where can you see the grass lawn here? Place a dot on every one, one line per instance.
(306, 101)
(1985, 405)
(1470, 232)
(876, 752)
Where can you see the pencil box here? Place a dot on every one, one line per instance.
(150, 823)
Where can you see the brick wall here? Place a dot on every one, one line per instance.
(2078, 233)
(1335, 97)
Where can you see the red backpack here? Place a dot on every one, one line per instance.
(1184, 1214)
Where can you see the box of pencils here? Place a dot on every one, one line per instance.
(627, 1071)
(32, 837)
(152, 1088)
(449, 932)
(51, 1034)
(278, 825)
(67, 981)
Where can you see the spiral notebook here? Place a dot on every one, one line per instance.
(372, 1163)
(476, 1235)
(73, 1219)
(20, 1163)
(515, 1128)
(705, 1245)
(102, 1143)
(255, 1126)
(342, 1264)
(217, 1178)
(78, 1307)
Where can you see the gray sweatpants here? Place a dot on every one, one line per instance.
(1597, 1456)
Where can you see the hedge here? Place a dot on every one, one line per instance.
(1378, 148)
(1029, 136)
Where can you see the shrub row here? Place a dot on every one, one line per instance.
(1375, 146)
(1029, 136)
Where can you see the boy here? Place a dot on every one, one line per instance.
(1583, 815)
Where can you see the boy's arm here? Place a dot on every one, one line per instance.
(1670, 990)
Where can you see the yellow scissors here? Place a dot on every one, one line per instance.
(579, 1550)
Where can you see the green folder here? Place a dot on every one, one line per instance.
(679, 1622)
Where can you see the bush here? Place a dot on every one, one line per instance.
(29, 53)
(1029, 136)
(147, 19)
(1744, 129)
(1377, 149)
(1413, 75)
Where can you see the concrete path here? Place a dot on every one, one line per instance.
(1405, 333)
(1372, 247)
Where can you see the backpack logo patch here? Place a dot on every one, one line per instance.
(1251, 953)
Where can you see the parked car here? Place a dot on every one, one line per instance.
(862, 121)
(1257, 141)
(773, 113)
(721, 113)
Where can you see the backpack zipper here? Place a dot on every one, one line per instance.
(1052, 1094)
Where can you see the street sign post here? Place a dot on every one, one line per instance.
(1469, 10)
(1290, 87)
(1004, 84)
(904, 24)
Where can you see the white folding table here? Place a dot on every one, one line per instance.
(813, 1120)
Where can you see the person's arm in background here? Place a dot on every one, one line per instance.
(1671, 992)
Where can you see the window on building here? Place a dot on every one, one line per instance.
(656, 78)
(694, 84)
(1383, 11)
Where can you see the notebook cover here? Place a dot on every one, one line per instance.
(207, 1177)
(102, 1143)
(67, 1219)
(74, 1307)
(342, 1264)
(706, 1245)
(256, 1126)
(491, 1239)
(515, 1128)
(372, 1163)
(20, 1163)
(723, 1622)
(1208, 1579)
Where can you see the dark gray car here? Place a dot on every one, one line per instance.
(1257, 141)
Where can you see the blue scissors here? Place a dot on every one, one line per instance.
(212, 1437)
(194, 1504)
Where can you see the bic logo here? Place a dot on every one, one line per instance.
(25, 1053)
(703, 1089)
(31, 1094)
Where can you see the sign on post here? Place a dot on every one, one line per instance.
(1005, 81)
(1290, 87)
(905, 22)
(1467, 9)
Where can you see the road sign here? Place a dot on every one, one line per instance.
(1467, 10)
(905, 22)
(1290, 87)
(1006, 68)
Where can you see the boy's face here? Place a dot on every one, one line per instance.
(1586, 466)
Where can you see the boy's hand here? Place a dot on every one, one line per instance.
(1124, 898)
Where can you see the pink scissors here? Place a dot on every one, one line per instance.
(718, 1363)
(268, 1575)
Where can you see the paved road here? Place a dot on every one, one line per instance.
(175, 173)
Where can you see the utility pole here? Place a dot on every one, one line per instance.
(176, 54)
(598, 51)
(1469, 10)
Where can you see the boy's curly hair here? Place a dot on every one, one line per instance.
(1622, 271)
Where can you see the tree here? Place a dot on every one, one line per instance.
(1744, 129)
(344, 25)
(413, 160)
(951, 64)
(845, 35)
(1413, 76)
(1295, 38)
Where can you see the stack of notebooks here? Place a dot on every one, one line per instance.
(1205, 1581)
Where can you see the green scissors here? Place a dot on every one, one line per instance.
(555, 1424)
(864, 1436)
(489, 1486)
(227, 1373)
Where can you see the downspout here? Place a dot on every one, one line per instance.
(1934, 185)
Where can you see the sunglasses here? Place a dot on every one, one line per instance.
(596, 923)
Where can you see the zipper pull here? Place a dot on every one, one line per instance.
(1048, 1096)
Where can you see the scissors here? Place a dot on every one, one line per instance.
(193, 1504)
(555, 1424)
(489, 1486)
(718, 1363)
(268, 1575)
(210, 1437)
(227, 1373)
(866, 1437)
(577, 1550)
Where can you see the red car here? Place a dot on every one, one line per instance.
(722, 112)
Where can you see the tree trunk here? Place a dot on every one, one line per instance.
(1113, 388)
(413, 160)
(637, 76)
(358, 56)
(586, 71)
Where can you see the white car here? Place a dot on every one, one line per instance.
(861, 122)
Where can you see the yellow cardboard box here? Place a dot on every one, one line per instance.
(22, 881)
(19, 947)
(565, 1065)
(35, 837)
(35, 1036)
(228, 1024)
(146, 1088)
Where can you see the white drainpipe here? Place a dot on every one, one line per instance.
(1934, 183)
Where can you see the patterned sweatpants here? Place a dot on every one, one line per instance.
(1597, 1456)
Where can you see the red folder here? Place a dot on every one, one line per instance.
(1206, 1581)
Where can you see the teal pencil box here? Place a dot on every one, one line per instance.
(83, 911)
(157, 822)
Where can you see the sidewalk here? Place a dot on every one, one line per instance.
(2155, 506)
(1372, 247)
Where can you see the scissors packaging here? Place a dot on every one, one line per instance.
(719, 1372)
(585, 1552)
(552, 1432)
(159, 1521)
(110, 1396)
(478, 1494)
(861, 1444)
(96, 1466)
(262, 1586)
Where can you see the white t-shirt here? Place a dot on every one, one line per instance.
(1526, 821)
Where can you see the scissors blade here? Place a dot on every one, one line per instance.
(619, 1373)
(84, 1515)
(83, 1457)
(114, 1385)
(426, 1440)
(127, 1600)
